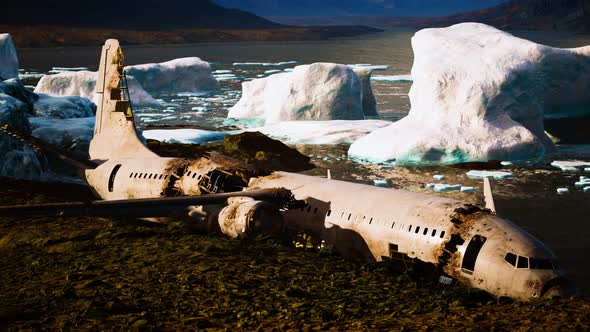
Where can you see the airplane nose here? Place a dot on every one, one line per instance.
(558, 287)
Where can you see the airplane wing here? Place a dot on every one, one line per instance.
(147, 207)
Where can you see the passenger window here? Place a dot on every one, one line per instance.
(370, 221)
(392, 224)
(199, 177)
(410, 228)
(433, 232)
(349, 215)
(417, 230)
(425, 231)
(194, 174)
(188, 174)
(510, 259)
(329, 213)
(130, 175)
(523, 262)
(161, 176)
(442, 234)
(150, 176)
(308, 208)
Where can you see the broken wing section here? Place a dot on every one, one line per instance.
(114, 132)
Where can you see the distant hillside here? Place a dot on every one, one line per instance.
(132, 14)
(572, 15)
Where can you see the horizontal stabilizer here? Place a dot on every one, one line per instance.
(147, 207)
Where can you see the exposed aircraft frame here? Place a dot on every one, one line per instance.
(463, 241)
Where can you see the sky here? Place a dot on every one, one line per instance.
(275, 8)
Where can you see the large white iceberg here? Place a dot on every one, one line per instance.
(8, 57)
(82, 83)
(71, 135)
(320, 91)
(369, 101)
(481, 94)
(178, 75)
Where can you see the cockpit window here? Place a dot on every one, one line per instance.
(510, 259)
(541, 264)
(523, 263)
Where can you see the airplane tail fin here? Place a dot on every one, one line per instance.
(114, 132)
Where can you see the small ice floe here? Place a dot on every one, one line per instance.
(199, 109)
(587, 169)
(506, 163)
(30, 75)
(569, 165)
(288, 70)
(57, 70)
(385, 167)
(439, 177)
(392, 78)
(369, 66)
(266, 64)
(273, 71)
(582, 184)
(430, 185)
(186, 136)
(465, 189)
(563, 191)
(220, 71)
(586, 189)
(381, 183)
(489, 174)
(443, 187)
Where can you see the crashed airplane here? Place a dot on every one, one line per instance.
(466, 243)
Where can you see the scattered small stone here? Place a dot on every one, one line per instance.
(563, 191)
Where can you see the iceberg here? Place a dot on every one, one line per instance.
(320, 91)
(489, 174)
(570, 165)
(178, 75)
(481, 94)
(72, 135)
(8, 57)
(369, 101)
(82, 83)
(185, 136)
(64, 107)
(392, 78)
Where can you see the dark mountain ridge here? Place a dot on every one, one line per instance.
(133, 14)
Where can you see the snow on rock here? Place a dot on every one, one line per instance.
(369, 101)
(14, 88)
(8, 57)
(481, 94)
(570, 165)
(64, 107)
(178, 75)
(82, 83)
(72, 135)
(320, 91)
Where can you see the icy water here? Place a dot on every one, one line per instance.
(529, 198)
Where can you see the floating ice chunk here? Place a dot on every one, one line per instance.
(385, 167)
(320, 91)
(178, 75)
(186, 136)
(443, 187)
(220, 71)
(391, 78)
(586, 189)
(468, 189)
(506, 163)
(82, 83)
(266, 64)
(30, 75)
(587, 169)
(582, 184)
(288, 70)
(430, 185)
(489, 174)
(381, 183)
(321, 132)
(273, 71)
(582, 178)
(563, 191)
(369, 66)
(439, 177)
(569, 165)
(57, 70)
(8, 57)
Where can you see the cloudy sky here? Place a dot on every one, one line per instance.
(270, 8)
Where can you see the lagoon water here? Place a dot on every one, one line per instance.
(530, 199)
